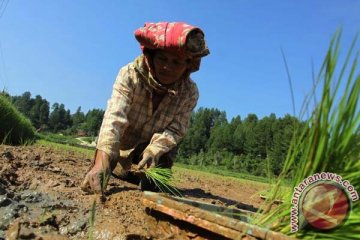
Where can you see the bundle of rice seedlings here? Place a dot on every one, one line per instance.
(163, 179)
(15, 128)
(329, 142)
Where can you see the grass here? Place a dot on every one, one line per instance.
(330, 143)
(227, 173)
(58, 138)
(61, 139)
(15, 128)
(88, 139)
(182, 169)
(64, 147)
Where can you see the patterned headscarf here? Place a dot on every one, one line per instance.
(178, 37)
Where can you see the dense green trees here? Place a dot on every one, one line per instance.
(36, 109)
(59, 119)
(93, 120)
(252, 145)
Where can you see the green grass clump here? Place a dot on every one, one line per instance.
(15, 128)
(330, 143)
(163, 179)
(88, 153)
(88, 139)
(58, 138)
(224, 172)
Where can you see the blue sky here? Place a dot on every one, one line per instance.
(70, 51)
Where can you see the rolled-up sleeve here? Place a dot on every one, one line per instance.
(115, 119)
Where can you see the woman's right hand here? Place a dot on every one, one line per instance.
(97, 178)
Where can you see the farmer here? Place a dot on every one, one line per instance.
(151, 103)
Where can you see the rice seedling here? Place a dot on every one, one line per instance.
(329, 142)
(92, 220)
(163, 179)
(104, 179)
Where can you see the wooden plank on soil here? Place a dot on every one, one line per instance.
(212, 221)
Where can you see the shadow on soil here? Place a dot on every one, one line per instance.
(186, 230)
(200, 193)
(114, 190)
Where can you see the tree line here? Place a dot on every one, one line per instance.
(250, 145)
(56, 119)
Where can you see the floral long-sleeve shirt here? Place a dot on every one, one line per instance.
(129, 119)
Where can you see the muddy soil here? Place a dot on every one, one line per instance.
(40, 198)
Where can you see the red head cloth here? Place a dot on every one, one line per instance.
(178, 37)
